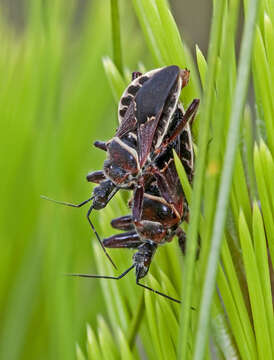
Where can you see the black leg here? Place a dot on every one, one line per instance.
(129, 240)
(138, 204)
(98, 237)
(103, 276)
(187, 117)
(181, 239)
(96, 176)
(88, 214)
(66, 203)
(123, 223)
(158, 292)
(100, 145)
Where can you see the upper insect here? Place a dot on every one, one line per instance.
(145, 111)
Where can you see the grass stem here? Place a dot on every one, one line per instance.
(116, 36)
(226, 178)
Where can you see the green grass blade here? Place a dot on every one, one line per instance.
(202, 65)
(116, 36)
(79, 353)
(93, 349)
(260, 251)
(226, 178)
(116, 82)
(198, 183)
(255, 292)
(263, 179)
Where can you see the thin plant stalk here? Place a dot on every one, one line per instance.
(116, 36)
(226, 178)
(198, 183)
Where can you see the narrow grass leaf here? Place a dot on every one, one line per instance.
(149, 36)
(260, 251)
(167, 346)
(269, 44)
(248, 135)
(116, 82)
(263, 88)
(222, 333)
(116, 36)
(183, 177)
(79, 353)
(202, 65)
(198, 182)
(264, 199)
(239, 332)
(234, 292)
(226, 177)
(255, 292)
(107, 344)
(93, 348)
(125, 351)
(153, 324)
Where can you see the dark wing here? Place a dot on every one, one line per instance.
(155, 104)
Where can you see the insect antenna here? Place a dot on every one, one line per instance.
(88, 214)
(103, 276)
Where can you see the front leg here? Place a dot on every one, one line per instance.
(129, 240)
(123, 223)
(100, 145)
(96, 176)
(188, 117)
(181, 239)
(137, 207)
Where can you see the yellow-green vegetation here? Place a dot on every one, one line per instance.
(58, 96)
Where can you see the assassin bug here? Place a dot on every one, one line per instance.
(164, 207)
(145, 112)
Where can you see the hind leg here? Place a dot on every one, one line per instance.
(123, 223)
(130, 240)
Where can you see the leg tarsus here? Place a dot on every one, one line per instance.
(157, 292)
(66, 203)
(103, 276)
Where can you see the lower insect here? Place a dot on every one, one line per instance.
(162, 210)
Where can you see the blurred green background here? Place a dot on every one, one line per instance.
(54, 103)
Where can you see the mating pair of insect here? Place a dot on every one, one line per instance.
(152, 123)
